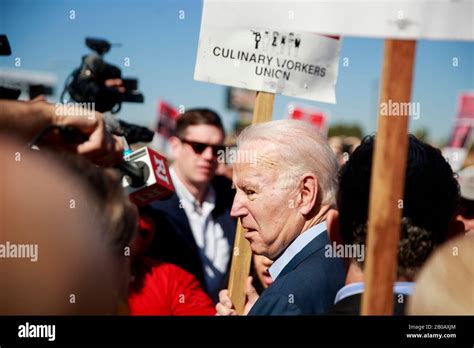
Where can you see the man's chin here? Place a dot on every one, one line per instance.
(256, 249)
(201, 179)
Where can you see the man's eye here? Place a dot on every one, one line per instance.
(249, 192)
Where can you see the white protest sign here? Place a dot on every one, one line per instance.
(397, 19)
(297, 64)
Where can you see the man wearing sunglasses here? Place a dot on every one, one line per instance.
(194, 228)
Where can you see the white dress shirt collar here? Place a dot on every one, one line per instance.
(184, 194)
(405, 288)
(213, 244)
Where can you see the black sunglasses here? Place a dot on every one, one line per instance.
(201, 147)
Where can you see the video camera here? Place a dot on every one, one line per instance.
(146, 175)
(87, 83)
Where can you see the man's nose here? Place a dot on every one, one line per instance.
(238, 207)
(207, 154)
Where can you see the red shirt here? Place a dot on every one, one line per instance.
(166, 289)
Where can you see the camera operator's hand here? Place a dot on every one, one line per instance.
(26, 119)
(116, 83)
(38, 98)
(102, 147)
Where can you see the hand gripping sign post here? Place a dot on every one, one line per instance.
(401, 22)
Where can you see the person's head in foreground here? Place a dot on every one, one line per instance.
(285, 177)
(445, 284)
(430, 199)
(68, 264)
(80, 221)
(118, 215)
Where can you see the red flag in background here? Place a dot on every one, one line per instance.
(309, 114)
(167, 117)
(464, 121)
(460, 135)
(466, 106)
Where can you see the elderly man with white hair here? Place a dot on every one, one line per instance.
(283, 198)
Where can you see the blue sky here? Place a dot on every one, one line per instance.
(162, 51)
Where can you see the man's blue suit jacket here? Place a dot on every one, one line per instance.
(174, 240)
(306, 286)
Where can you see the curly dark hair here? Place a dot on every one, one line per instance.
(430, 200)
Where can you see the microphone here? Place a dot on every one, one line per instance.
(132, 132)
(137, 173)
(146, 176)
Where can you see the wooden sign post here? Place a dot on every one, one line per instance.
(388, 179)
(242, 255)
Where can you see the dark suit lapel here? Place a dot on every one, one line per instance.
(178, 215)
(312, 247)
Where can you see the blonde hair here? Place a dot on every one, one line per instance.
(445, 285)
(301, 149)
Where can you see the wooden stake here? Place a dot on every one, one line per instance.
(242, 254)
(239, 269)
(388, 180)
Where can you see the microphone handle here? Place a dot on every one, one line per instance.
(135, 172)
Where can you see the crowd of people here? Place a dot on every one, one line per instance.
(295, 196)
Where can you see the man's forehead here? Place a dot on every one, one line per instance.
(263, 154)
(254, 180)
(248, 171)
(203, 133)
(256, 161)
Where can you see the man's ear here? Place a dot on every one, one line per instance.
(456, 226)
(175, 146)
(308, 193)
(333, 226)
